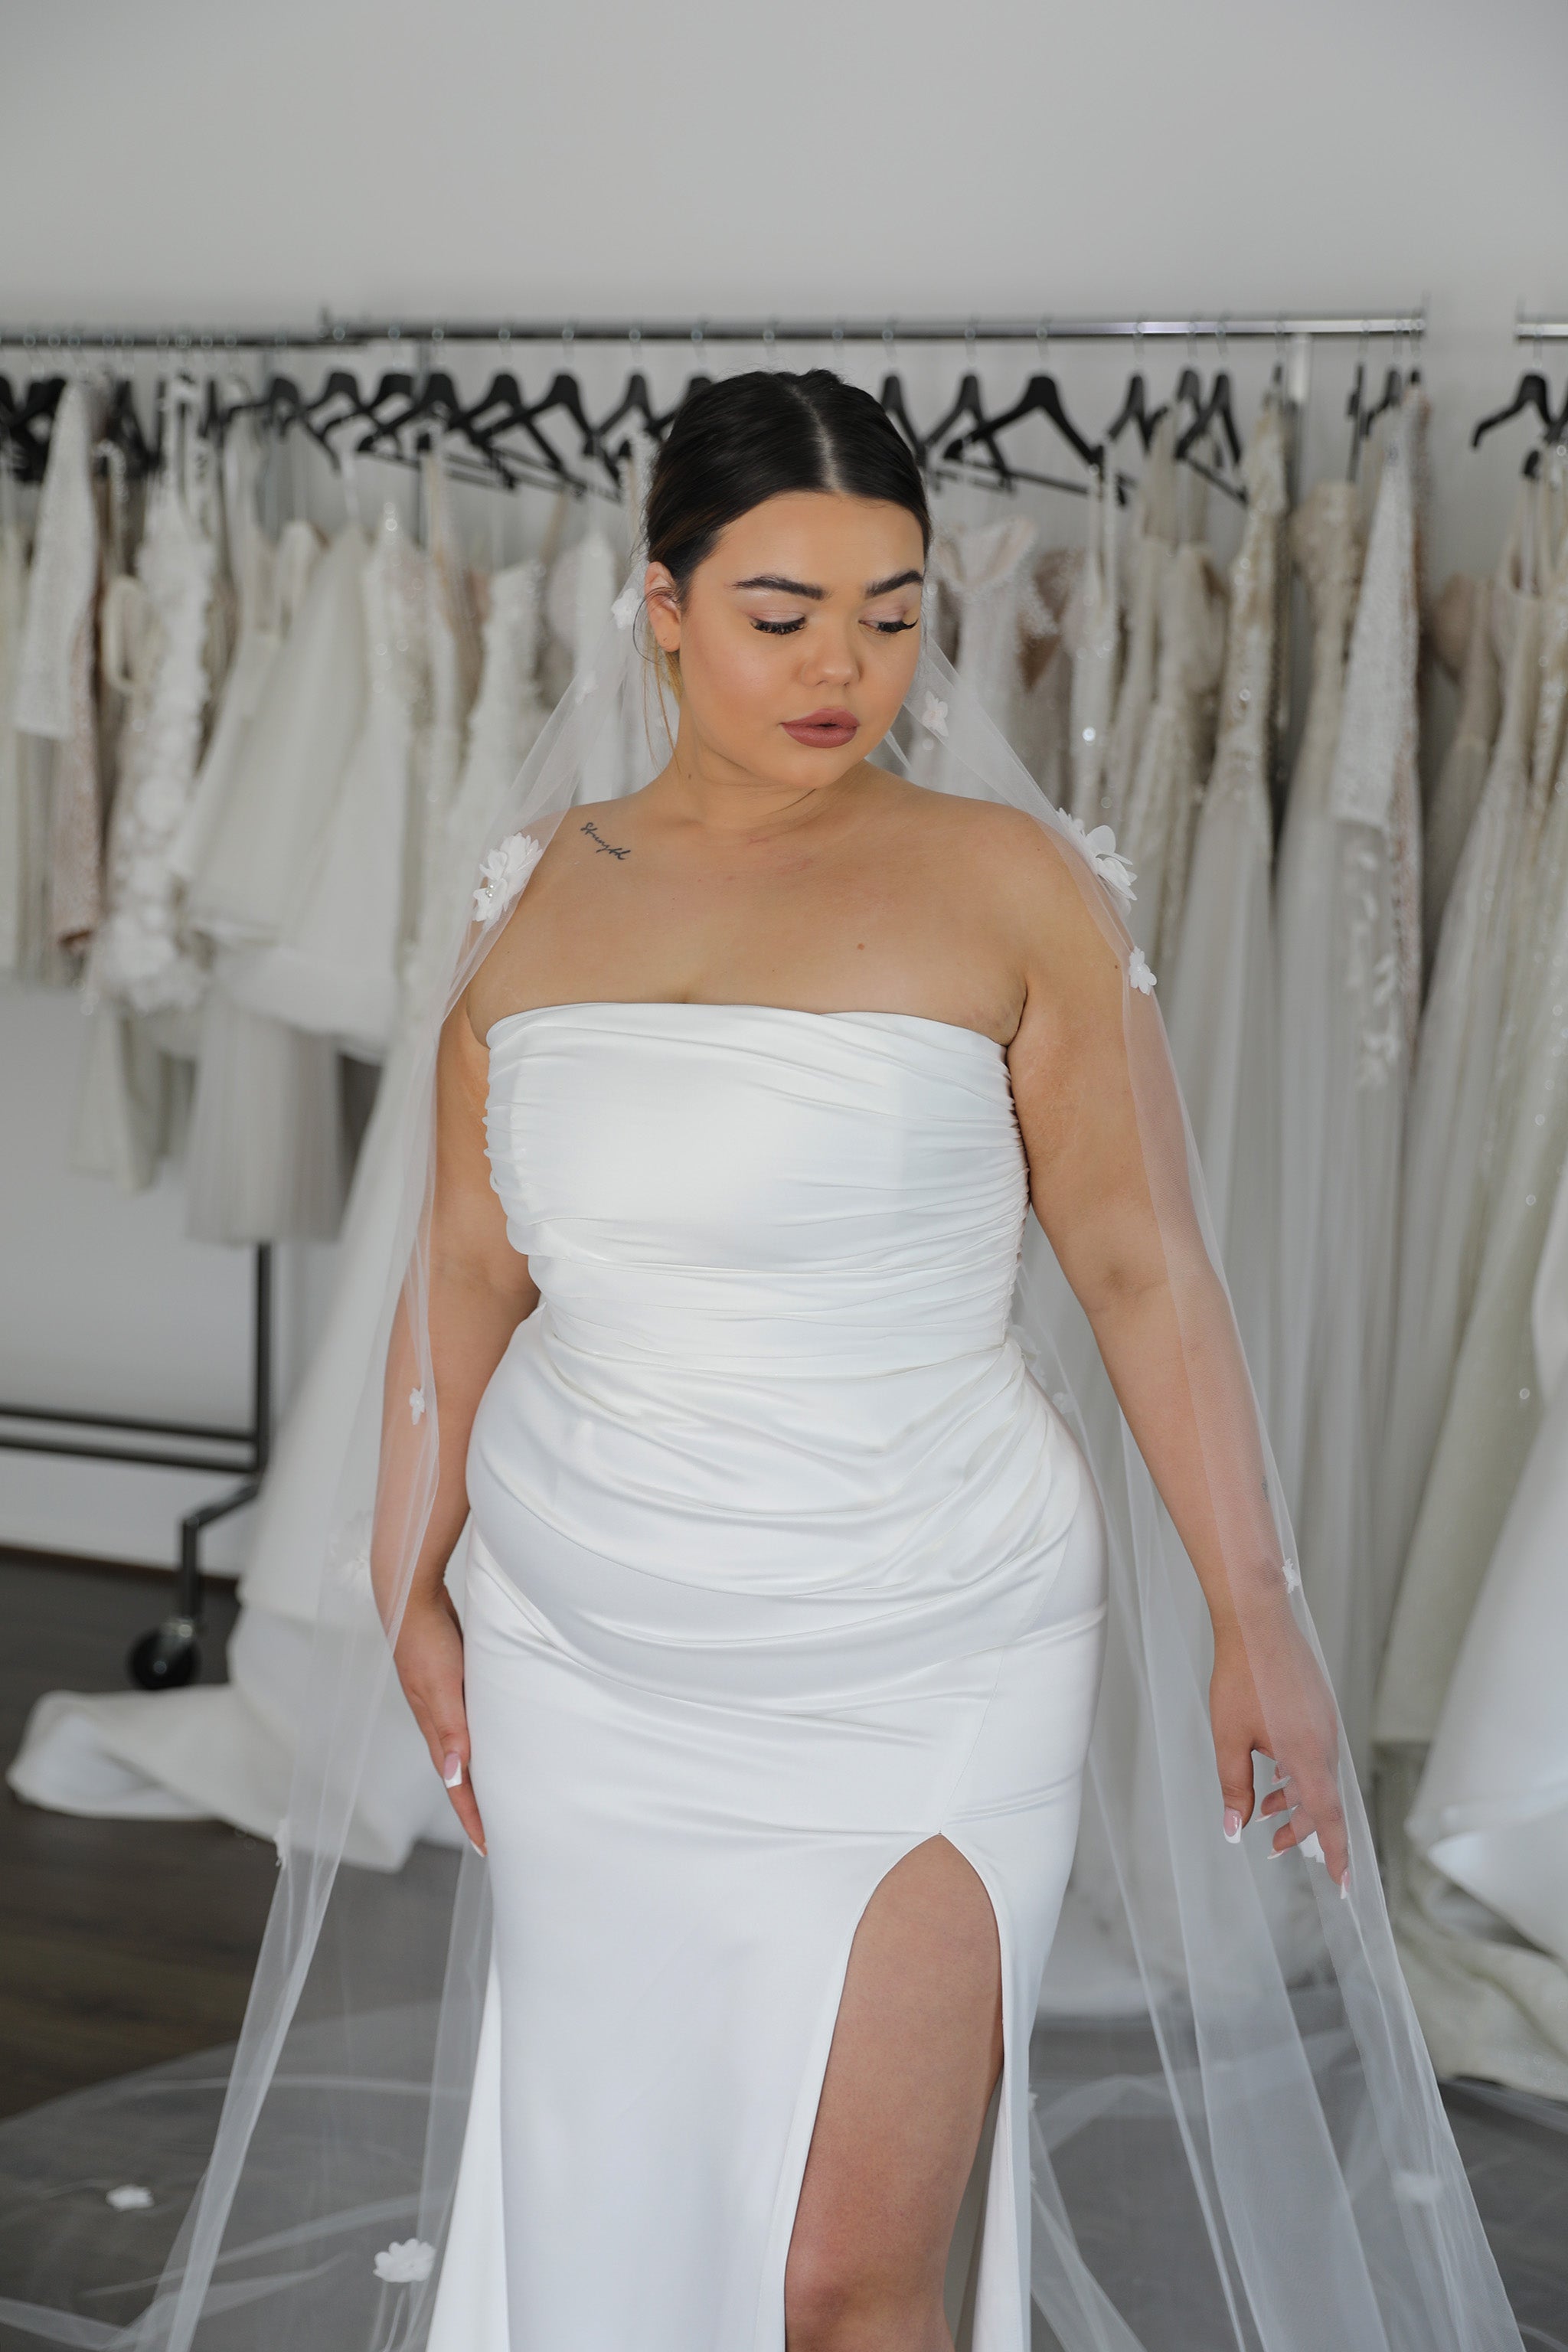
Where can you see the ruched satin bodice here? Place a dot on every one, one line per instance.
(775, 1252)
(779, 1563)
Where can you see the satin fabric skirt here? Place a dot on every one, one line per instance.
(677, 1868)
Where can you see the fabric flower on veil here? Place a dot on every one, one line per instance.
(1100, 849)
(503, 874)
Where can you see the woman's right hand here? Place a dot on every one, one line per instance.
(429, 1660)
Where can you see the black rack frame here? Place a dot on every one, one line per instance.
(168, 1654)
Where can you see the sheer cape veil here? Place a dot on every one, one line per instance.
(1237, 2136)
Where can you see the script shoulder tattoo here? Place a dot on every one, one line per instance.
(597, 839)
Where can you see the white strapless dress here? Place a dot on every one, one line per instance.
(779, 1563)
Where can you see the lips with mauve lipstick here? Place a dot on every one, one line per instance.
(825, 731)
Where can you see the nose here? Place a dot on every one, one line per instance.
(830, 658)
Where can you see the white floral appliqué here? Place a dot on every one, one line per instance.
(416, 1406)
(624, 607)
(1292, 1575)
(584, 686)
(1100, 849)
(1310, 1845)
(131, 2199)
(933, 716)
(405, 2262)
(503, 874)
(1138, 973)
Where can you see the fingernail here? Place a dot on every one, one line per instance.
(452, 1771)
(1233, 1824)
(1345, 1889)
(478, 1848)
(1277, 1851)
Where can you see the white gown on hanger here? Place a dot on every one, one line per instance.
(15, 813)
(62, 833)
(1178, 743)
(1370, 1012)
(978, 573)
(1045, 671)
(908, 1598)
(289, 768)
(1446, 1133)
(1325, 540)
(1153, 537)
(142, 955)
(1220, 985)
(1486, 1862)
(227, 1749)
(1092, 627)
(335, 966)
(1458, 788)
(1494, 1403)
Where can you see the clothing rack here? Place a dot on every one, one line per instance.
(1540, 330)
(330, 333)
(168, 1655)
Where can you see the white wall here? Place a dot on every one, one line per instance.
(207, 164)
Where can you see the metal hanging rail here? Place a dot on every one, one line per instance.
(1540, 330)
(330, 333)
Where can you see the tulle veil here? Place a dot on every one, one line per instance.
(1236, 2138)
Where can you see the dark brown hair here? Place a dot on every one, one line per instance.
(731, 444)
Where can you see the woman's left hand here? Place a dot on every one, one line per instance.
(1299, 1730)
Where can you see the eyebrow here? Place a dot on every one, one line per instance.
(803, 588)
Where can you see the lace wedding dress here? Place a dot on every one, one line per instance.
(141, 956)
(1178, 743)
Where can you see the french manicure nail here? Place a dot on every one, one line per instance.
(1276, 1851)
(452, 1771)
(478, 1848)
(1233, 1824)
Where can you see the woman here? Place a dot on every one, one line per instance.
(759, 1522)
(739, 1119)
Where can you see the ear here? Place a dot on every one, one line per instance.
(663, 604)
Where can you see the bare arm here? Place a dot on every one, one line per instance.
(1109, 1185)
(480, 1289)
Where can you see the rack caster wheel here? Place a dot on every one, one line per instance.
(168, 1657)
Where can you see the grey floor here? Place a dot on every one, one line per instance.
(126, 1946)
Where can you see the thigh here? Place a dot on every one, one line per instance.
(916, 2052)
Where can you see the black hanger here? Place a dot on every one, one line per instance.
(894, 405)
(1391, 396)
(637, 401)
(1532, 390)
(26, 420)
(1135, 409)
(1039, 398)
(1215, 409)
(502, 409)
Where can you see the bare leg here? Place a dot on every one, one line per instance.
(916, 2052)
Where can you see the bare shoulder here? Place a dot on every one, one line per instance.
(1017, 861)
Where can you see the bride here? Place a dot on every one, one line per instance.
(815, 1473)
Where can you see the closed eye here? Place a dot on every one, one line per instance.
(788, 628)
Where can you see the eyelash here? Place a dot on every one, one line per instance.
(788, 628)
